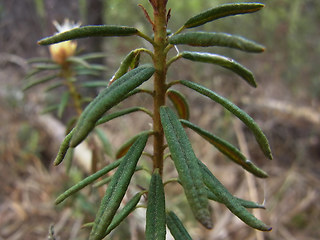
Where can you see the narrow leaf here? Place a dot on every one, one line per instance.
(136, 60)
(230, 201)
(93, 67)
(207, 39)
(126, 146)
(124, 66)
(86, 72)
(117, 188)
(63, 104)
(222, 61)
(102, 182)
(90, 31)
(119, 114)
(107, 99)
(47, 66)
(39, 81)
(124, 212)
(176, 227)
(50, 108)
(69, 159)
(63, 148)
(88, 180)
(222, 11)
(54, 86)
(180, 103)
(140, 90)
(40, 60)
(187, 166)
(156, 212)
(65, 144)
(106, 145)
(244, 203)
(91, 56)
(78, 61)
(94, 84)
(243, 116)
(107, 180)
(227, 149)
(31, 73)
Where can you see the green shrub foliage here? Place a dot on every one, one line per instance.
(199, 184)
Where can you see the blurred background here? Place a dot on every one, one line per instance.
(285, 104)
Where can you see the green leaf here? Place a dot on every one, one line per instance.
(39, 81)
(136, 60)
(176, 227)
(180, 103)
(227, 149)
(125, 147)
(69, 159)
(94, 55)
(47, 66)
(106, 145)
(78, 61)
(86, 72)
(50, 108)
(124, 66)
(140, 90)
(222, 11)
(31, 73)
(243, 116)
(39, 60)
(119, 114)
(187, 166)
(54, 86)
(65, 144)
(63, 104)
(117, 188)
(230, 201)
(102, 182)
(124, 212)
(156, 211)
(244, 203)
(85, 182)
(90, 31)
(207, 39)
(107, 180)
(108, 98)
(63, 148)
(222, 61)
(94, 84)
(94, 67)
(70, 124)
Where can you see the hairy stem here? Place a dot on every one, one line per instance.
(160, 43)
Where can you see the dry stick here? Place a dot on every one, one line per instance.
(309, 114)
(250, 179)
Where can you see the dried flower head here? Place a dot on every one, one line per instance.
(60, 52)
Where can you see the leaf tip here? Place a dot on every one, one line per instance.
(59, 158)
(205, 219)
(42, 42)
(208, 224)
(56, 162)
(57, 201)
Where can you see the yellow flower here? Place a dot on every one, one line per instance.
(60, 52)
